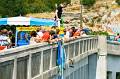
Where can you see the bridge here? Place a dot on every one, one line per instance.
(89, 55)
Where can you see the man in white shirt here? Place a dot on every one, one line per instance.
(39, 34)
(4, 39)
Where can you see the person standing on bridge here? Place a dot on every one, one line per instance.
(59, 11)
(117, 37)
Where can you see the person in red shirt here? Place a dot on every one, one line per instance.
(46, 36)
(77, 33)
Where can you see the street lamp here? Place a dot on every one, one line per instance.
(81, 19)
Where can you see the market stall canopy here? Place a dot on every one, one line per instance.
(27, 21)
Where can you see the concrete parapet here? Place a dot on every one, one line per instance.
(101, 69)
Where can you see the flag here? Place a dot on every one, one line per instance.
(61, 58)
(60, 54)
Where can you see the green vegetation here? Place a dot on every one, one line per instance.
(118, 1)
(98, 33)
(22, 7)
(88, 2)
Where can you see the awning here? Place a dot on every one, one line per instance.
(3, 21)
(27, 21)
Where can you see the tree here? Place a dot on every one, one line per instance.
(23, 7)
(118, 1)
(13, 7)
(88, 2)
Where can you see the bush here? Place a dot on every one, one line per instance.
(98, 33)
(118, 1)
(88, 2)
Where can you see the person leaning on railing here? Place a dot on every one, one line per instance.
(4, 38)
(54, 35)
(12, 38)
(34, 39)
(66, 34)
(117, 37)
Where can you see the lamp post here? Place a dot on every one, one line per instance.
(81, 19)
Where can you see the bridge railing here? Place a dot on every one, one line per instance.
(39, 61)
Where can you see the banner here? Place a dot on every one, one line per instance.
(27, 28)
(23, 35)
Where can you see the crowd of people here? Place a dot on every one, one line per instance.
(43, 35)
(6, 38)
(50, 35)
(54, 34)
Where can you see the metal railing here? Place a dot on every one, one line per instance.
(39, 61)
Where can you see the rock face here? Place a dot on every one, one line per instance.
(72, 12)
(71, 19)
(75, 1)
